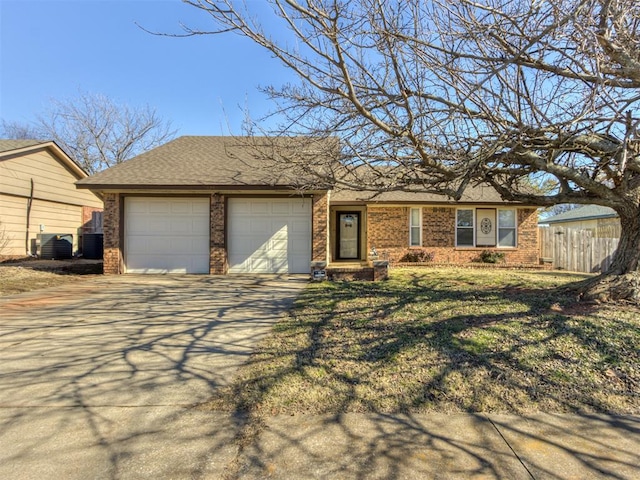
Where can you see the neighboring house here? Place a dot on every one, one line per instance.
(206, 205)
(601, 221)
(38, 196)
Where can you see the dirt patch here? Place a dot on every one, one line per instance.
(25, 275)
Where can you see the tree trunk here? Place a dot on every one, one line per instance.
(622, 280)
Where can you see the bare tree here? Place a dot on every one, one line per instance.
(432, 96)
(99, 133)
(18, 131)
(96, 131)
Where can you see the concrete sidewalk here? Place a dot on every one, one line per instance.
(359, 446)
(174, 443)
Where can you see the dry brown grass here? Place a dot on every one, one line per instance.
(445, 340)
(20, 277)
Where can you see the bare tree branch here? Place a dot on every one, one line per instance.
(434, 96)
(97, 132)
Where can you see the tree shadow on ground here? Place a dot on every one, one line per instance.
(400, 350)
(99, 379)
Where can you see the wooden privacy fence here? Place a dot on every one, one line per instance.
(577, 250)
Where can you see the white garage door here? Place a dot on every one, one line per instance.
(166, 235)
(269, 235)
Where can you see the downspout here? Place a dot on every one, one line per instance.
(29, 202)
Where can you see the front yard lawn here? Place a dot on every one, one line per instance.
(447, 340)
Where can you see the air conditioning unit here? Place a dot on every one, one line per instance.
(92, 245)
(54, 246)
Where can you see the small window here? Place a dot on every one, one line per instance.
(464, 228)
(506, 228)
(415, 227)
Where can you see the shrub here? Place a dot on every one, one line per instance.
(490, 256)
(417, 256)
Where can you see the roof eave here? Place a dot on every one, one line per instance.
(217, 187)
(581, 219)
(55, 149)
(429, 202)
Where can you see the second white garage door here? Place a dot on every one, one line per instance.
(269, 235)
(166, 235)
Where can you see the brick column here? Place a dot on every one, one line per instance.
(320, 227)
(111, 229)
(528, 249)
(218, 249)
(380, 270)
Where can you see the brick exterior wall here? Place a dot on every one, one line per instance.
(387, 228)
(319, 229)
(366, 274)
(528, 250)
(439, 227)
(388, 231)
(111, 229)
(87, 219)
(218, 264)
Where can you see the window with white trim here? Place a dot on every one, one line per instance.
(465, 227)
(415, 227)
(506, 228)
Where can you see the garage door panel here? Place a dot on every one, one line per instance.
(140, 227)
(201, 208)
(157, 226)
(281, 208)
(200, 227)
(201, 244)
(258, 226)
(159, 207)
(244, 228)
(299, 262)
(136, 207)
(164, 264)
(167, 235)
(187, 227)
(241, 207)
(260, 265)
(280, 265)
(269, 235)
(159, 245)
(181, 207)
(280, 232)
(259, 208)
(300, 227)
(300, 208)
(242, 245)
(137, 245)
(180, 226)
(277, 249)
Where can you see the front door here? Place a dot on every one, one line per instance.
(348, 235)
(485, 227)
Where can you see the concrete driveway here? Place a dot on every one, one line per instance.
(97, 379)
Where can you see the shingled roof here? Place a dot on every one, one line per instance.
(8, 145)
(586, 212)
(472, 194)
(219, 162)
(196, 162)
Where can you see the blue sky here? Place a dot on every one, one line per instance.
(53, 48)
